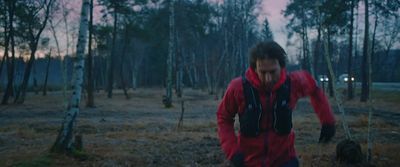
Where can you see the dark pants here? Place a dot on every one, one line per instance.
(292, 163)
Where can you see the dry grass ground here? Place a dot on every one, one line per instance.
(141, 132)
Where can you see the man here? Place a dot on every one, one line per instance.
(264, 99)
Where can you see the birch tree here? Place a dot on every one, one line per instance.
(64, 141)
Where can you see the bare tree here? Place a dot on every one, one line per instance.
(89, 69)
(113, 52)
(3, 59)
(34, 30)
(10, 61)
(122, 61)
(365, 65)
(171, 52)
(350, 92)
(64, 141)
(179, 60)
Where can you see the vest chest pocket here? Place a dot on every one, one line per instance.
(282, 113)
(249, 123)
(282, 119)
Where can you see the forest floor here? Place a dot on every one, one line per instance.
(141, 132)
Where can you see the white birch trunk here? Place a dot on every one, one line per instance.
(64, 139)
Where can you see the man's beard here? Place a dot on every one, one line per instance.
(269, 86)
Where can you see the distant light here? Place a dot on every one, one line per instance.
(346, 79)
(321, 79)
(326, 79)
(352, 78)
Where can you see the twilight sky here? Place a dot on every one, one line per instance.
(271, 9)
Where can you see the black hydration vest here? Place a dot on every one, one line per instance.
(250, 118)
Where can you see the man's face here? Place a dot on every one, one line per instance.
(268, 71)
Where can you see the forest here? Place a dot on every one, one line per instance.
(139, 82)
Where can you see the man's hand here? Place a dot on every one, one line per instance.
(238, 160)
(327, 132)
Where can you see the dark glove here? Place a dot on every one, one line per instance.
(238, 160)
(327, 132)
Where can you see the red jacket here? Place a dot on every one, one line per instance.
(269, 148)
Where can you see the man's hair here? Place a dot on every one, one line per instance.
(267, 50)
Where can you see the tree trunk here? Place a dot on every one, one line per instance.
(317, 49)
(58, 51)
(90, 79)
(220, 66)
(350, 92)
(317, 53)
(20, 97)
(330, 76)
(63, 65)
(35, 86)
(372, 50)
(356, 42)
(207, 76)
(365, 64)
(309, 58)
(171, 53)
(133, 72)
(370, 112)
(10, 61)
(64, 143)
(189, 72)
(47, 74)
(306, 54)
(179, 73)
(121, 69)
(195, 75)
(112, 57)
(3, 59)
(5, 38)
(6, 58)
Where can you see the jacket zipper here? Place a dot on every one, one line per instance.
(266, 136)
(259, 113)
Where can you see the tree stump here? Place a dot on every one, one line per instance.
(349, 152)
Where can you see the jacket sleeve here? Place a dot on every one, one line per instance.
(305, 85)
(227, 110)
